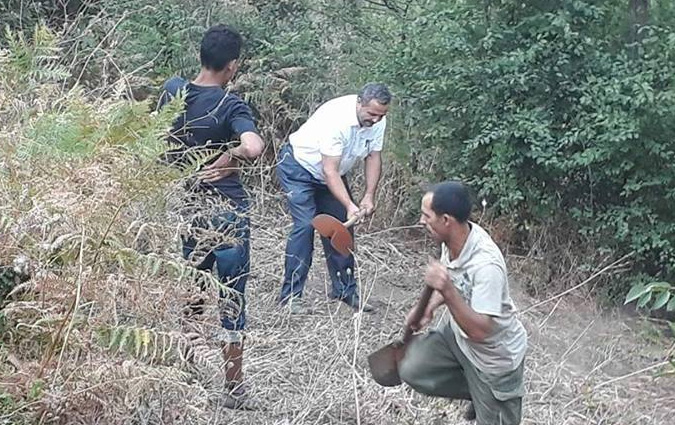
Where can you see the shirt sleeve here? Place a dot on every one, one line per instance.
(170, 90)
(241, 119)
(487, 290)
(378, 141)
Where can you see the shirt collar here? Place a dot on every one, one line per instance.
(465, 253)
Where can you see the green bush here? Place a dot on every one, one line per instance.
(548, 111)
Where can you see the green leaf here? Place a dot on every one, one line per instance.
(115, 335)
(36, 389)
(155, 267)
(671, 306)
(138, 340)
(124, 339)
(636, 292)
(659, 285)
(644, 299)
(661, 300)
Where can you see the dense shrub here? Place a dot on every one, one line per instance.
(549, 111)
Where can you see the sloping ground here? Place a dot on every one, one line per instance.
(585, 366)
(312, 368)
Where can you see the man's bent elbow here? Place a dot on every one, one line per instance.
(256, 150)
(252, 145)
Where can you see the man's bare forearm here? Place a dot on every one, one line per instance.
(476, 326)
(373, 171)
(251, 147)
(337, 188)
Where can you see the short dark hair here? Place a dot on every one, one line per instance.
(377, 91)
(220, 45)
(452, 198)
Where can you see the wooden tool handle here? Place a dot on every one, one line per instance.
(354, 219)
(418, 312)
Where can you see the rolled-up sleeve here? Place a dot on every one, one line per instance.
(488, 286)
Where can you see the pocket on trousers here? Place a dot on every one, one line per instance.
(505, 386)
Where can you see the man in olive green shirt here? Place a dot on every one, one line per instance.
(478, 353)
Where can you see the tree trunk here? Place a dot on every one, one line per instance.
(638, 16)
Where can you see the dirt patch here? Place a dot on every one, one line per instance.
(584, 365)
(581, 365)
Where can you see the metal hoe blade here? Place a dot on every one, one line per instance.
(383, 364)
(331, 228)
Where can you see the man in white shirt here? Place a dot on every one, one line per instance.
(312, 170)
(478, 353)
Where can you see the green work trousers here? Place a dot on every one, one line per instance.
(435, 365)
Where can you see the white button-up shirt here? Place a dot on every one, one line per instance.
(334, 130)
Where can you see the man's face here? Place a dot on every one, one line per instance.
(435, 224)
(371, 113)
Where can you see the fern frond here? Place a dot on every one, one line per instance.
(152, 265)
(31, 61)
(157, 347)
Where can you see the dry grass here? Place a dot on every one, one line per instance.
(301, 369)
(579, 364)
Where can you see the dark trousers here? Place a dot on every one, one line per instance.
(232, 260)
(308, 197)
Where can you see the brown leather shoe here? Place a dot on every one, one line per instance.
(238, 399)
(233, 353)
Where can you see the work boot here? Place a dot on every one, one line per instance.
(296, 306)
(233, 353)
(238, 399)
(470, 413)
(355, 303)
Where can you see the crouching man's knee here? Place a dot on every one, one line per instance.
(406, 370)
(410, 370)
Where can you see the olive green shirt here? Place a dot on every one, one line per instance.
(479, 273)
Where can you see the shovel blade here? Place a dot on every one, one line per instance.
(326, 225)
(342, 241)
(383, 364)
(331, 228)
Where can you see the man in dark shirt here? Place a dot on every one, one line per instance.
(212, 119)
